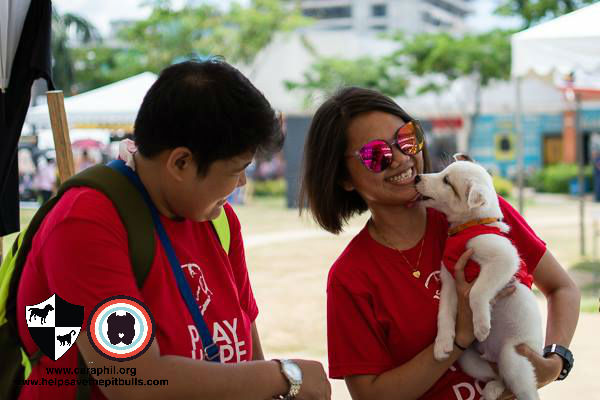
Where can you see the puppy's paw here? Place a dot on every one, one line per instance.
(443, 347)
(493, 390)
(481, 328)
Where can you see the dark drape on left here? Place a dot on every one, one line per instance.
(32, 61)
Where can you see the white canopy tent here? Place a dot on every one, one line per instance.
(114, 104)
(569, 44)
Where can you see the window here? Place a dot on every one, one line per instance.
(379, 10)
(430, 19)
(328, 12)
(448, 7)
(379, 28)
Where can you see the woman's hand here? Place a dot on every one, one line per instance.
(546, 369)
(464, 316)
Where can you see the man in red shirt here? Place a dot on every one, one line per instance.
(197, 130)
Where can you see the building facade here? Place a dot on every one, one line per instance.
(412, 16)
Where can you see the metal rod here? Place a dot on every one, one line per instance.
(520, 150)
(580, 177)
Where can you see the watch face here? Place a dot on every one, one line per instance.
(293, 371)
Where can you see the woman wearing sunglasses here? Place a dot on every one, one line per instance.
(363, 153)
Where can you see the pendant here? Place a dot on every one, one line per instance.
(416, 274)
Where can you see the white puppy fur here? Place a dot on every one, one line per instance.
(464, 192)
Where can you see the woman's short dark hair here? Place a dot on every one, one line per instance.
(324, 167)
(208, 107)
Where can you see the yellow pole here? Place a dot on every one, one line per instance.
(60, 131)
(62, 142)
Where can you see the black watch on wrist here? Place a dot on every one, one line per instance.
(565, 354)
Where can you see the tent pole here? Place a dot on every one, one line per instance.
(580, 177)
(60, 132)
(520, 147)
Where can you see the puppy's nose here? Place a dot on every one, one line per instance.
(417, 178)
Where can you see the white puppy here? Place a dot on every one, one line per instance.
(465, 193)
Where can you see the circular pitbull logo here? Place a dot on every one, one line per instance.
(121, 328)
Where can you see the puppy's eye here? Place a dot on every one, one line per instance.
(446, 180)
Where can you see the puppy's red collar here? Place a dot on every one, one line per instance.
(481, 221)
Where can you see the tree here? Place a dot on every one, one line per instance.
(437, 58)
(430, 55)
(66, 29)
(330, 73)
(533, 11)
(169, 35)
(486, 54)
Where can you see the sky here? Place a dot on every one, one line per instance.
(100, 13)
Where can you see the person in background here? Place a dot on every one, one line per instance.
(44, 181)
(84, 161)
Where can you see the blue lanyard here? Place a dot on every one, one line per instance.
(211, 349)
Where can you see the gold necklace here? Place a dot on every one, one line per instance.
(415, 270)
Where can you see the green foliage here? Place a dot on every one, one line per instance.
(589, 304)
(269, 188)
(329, 74)
(591, 268)
(503, 186)
(487, 54)
(171, 35)
(247, 30)
(429, 54)
(67, 28)
(533, 11)
(556, 178)
(100, 65)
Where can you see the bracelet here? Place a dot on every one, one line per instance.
(459, 346)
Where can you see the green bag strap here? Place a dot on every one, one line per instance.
(135, 217)
(131, 208)
(84, 392)
(221, 225)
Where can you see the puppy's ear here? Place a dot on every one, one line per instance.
(462, 157)
(476, 196)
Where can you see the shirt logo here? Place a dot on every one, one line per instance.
(121, 328)
(54, 325)
(434, 280)
(203, 293)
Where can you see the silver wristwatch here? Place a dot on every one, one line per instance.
(293, 374)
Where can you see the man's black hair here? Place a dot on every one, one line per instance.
(208, 107)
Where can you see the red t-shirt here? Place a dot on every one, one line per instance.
(379, 316)
(80, 253)
(456, 245)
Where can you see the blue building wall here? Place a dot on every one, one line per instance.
(483, 144)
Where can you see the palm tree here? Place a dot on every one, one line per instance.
(67, 29)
